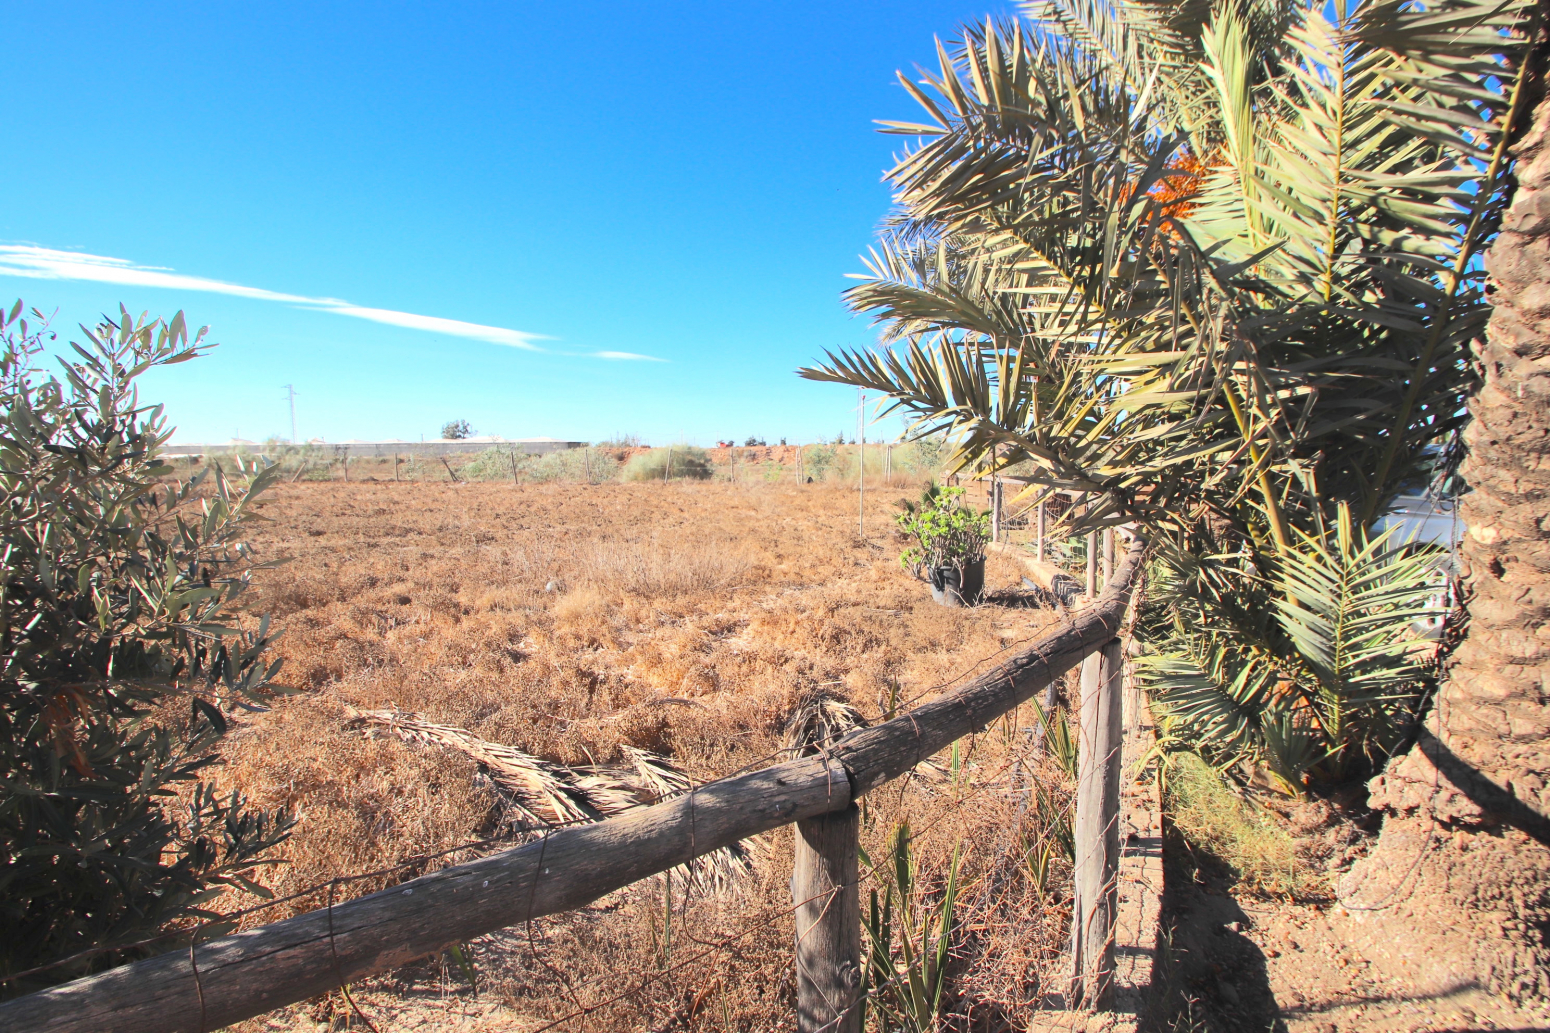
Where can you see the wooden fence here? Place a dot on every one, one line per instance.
(224, 980)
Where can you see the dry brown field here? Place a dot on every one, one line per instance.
(571, 621)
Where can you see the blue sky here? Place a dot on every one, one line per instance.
(570, 184)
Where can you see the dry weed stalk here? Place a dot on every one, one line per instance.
(543, 793)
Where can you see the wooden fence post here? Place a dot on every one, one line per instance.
(667, 471)
(1039, 548)
(1096, 897)
(1092, 564)
(826, 889)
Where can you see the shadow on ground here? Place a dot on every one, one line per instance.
(1210, 977)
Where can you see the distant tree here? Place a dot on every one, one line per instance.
(753, 441)
(456, 430)
(119, 656)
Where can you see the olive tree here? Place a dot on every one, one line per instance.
(121, 657)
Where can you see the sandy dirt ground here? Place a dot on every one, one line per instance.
(1244, 961)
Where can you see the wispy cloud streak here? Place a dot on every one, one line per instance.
(47, 264)
(627, 356)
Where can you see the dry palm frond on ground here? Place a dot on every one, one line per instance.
(544, 794)
(818, 721)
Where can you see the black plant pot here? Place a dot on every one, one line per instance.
(954, 586)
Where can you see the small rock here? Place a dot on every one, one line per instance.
(1229, 992)
(1234, 927)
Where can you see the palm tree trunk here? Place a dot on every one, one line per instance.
(1457, 888)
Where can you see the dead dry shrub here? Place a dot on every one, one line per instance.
(657, 569)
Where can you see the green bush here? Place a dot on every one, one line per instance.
(945, 531)
(817, 460)
(493, 464)
(687, 461)
(120, 657)
(571, 464)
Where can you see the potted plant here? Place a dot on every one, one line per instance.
(948, 549)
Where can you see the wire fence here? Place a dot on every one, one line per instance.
(965, 788)
(882, 464)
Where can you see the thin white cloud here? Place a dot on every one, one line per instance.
(438, 325)
(47, 264)
(632, 356)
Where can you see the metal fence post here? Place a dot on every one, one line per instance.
(826, 890)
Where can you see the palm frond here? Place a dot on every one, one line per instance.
(544, 793)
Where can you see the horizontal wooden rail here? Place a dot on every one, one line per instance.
(235, 977)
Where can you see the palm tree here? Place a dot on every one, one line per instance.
(1465, 849)
(1181, 255)
(1217, 264)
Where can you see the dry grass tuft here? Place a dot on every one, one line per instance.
(668, 570)
(1243, 835)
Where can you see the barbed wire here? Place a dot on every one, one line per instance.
(759, 922)
(515, 833)
(415, 861)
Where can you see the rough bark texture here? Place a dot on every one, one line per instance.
(1095, 907)
(1458, 887)
(826, 889)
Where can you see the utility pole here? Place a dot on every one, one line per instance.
(995, 494)
(290, 391)
(861, 465)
